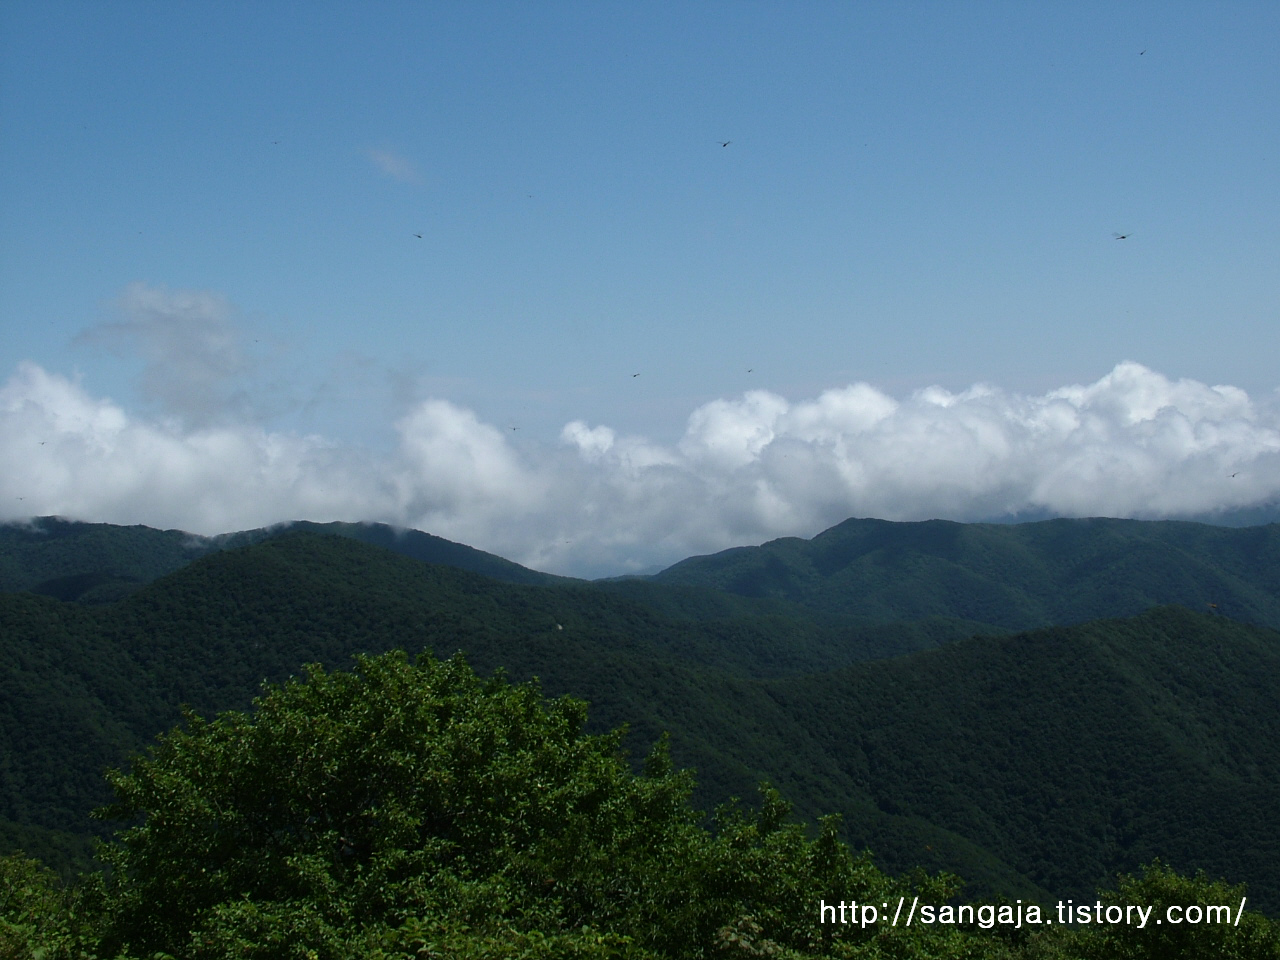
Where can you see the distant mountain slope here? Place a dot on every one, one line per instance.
(950, 579)
(1032, 764)
(1013, 576)
(101, 562)
(431, 549)
(81, 686)
(1068, 753)
(98, 562)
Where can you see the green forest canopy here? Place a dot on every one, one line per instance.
(1036, 764)
(412, 809)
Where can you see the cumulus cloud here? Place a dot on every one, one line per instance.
(70, 454)
(1132, 444)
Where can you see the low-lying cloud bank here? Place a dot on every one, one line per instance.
(1133, 444)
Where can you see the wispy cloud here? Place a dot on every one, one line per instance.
(194, 363)
(1134, 443)
(394, 165)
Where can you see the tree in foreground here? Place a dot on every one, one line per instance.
(1248, 936)
(414, 809)
(39, 918)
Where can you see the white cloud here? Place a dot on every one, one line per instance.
(393, 165)
(1134, 443)
(70, 454)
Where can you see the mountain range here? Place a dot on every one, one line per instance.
(1033, 706)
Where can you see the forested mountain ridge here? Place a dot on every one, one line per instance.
(1013, 576)
(1035, 763)
(83, 685)
(1068, 751)
(962, 578)
(102, 562)
(94, 562)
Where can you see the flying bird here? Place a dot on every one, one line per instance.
(1122, 236)
(418, 235)
(724, 143)
(634, 375)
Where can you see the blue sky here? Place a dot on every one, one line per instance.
(209, 243)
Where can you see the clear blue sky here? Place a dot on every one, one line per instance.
(210, 214)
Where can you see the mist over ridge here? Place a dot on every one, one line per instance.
(594, 501)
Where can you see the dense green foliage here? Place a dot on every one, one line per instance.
(1033, 765)
(84, 686)
(412, 809)
(40, 919)
(1014, 576)
(1069, 753)
(1161, 888)
(353, 803)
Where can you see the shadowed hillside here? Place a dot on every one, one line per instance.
(1013, 576)
(1035, 763)
(1070, 752)
(102, 562)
